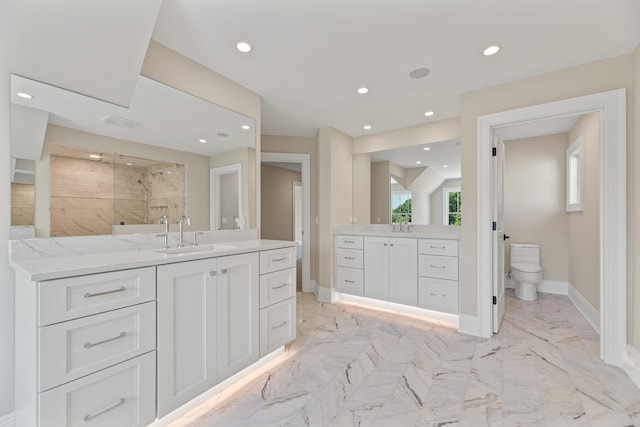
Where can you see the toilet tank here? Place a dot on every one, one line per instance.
(525, 253)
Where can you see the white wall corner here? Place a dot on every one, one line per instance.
(470, 325)
(588, 311)
(631, 364)
(9, 420)
(324, 294)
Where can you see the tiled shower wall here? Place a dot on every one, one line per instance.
(22, 204)
(88, 197)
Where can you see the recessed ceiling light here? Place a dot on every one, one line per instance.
(445, 166)
(427, 148)
(243, 47)
(362, 90)
(418, 162)
(129, 164)
(202, 141)
(491, 50)
(246, 127)
(169, 172)
(95, 156)
(222, 134)
(429, 113)
(24, 95)
(367, 127)
(419, 73)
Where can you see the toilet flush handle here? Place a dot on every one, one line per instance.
(505, 237)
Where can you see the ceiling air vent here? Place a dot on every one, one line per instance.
(119, 121)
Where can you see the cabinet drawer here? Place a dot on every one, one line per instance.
(438, 294)
(438, 247)
(122, 395)
(350, 281)
(441, 267)
(277, 325)
(349, 242)
(80, 347)
(349, 258)
(73, 297)
(277, 259)
(277, 286)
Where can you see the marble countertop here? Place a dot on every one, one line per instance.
(38, 267)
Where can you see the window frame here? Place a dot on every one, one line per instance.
(574, 169)
(445, 203)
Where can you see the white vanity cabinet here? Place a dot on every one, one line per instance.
(277, 299)
(85, 349)
(350, 264)
(391, 269)
(438, 270)
(208, 324)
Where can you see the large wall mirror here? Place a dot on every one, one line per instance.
(419, 184)
(82, 166)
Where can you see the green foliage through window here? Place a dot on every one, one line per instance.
(455, 208)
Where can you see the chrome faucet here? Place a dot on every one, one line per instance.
(165, 220)
(180, 222)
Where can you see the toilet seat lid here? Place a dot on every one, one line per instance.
(526, 267)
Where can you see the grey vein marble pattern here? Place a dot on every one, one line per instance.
(354, 366)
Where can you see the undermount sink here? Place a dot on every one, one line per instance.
(199, 248)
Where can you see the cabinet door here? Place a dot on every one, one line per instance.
(376, 268)
(186, 332)
(403, 271)
(238, 304)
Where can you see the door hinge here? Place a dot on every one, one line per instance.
(495, 300)
(494, 226)
(494, 151)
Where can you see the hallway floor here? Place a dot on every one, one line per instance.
(353, 366)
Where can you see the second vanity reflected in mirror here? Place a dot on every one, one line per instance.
(419, 184)
(99, 168)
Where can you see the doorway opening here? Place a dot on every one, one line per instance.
(286, 206)
(612, 206)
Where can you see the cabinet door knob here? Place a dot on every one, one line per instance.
(212, 273)
(223, 271)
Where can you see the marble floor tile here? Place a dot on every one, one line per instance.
(356, 366)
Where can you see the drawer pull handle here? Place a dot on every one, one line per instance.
(107, 409)
(437, 266)
(280, 325)
(349, 257)
(213, 273)
(97, 294)
(349, 241)
(279, 259)
(280, 287)
(437, 247)
(434, 294)
(350, 281)
(93, 344)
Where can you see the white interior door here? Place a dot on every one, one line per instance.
(498, 271)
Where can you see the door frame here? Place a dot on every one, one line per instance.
(305, 160)
(613, 257)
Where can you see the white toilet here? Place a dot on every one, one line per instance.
(526, 269)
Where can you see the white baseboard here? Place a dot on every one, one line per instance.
(423, 313)
(324, 294)
(631, 364)
(546, 286)
(470, 325)
(588, 311)
(8, 420)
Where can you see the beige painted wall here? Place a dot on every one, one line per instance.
(277, 202)
(612, 73)
(301, 145)
(584, 226)
(380, 193)
(534, 201)
(362, 188)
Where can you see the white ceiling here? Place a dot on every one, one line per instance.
(309, 57)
